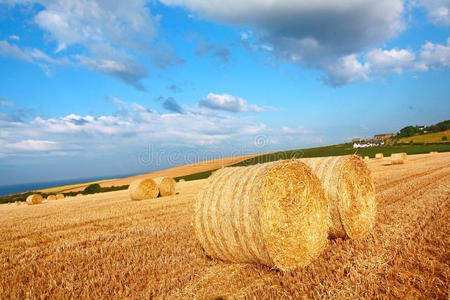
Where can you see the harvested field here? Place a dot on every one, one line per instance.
(107, 246)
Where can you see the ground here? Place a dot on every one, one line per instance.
(106, 246)
(435, 137)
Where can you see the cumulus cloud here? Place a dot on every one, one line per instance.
(438, 11)
(309, 33)
(379, 62)
(435, 56)
(383, 62)
(14, 37)
(229, 103)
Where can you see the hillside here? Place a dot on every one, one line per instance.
(428, 138)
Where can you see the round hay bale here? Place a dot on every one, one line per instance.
(79, 195)
(366, 157)
(51, 197)
(181, 180)
(273, 214)
(34, 199)
(141, 189)
(379, 155)
(166, 186)
(59, 196)
(349, 190)
(18, 203)
(433, 152)
(399, 158)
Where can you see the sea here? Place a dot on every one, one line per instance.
(25, 187)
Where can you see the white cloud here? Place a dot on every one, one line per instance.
(137, 128)
(383, 62)
(379, 62)
(438, 11)
(229, 103)
(346, 70)
(14, 37)
(32, 145)
(435, 56)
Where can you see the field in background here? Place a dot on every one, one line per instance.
(106, 246)
(428, 138)
(334, 150)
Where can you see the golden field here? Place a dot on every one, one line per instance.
(107, 246)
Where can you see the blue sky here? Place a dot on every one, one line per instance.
(99, 88)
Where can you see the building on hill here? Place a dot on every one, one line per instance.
(355, 140)
(384, 136)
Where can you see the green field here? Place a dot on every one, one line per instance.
(429, 138)
(335, 150)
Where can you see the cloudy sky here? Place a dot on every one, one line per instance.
(100, 88)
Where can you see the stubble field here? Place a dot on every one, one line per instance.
(106, 246)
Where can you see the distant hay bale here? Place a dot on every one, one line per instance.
(166, 186)
(366, 157)
(399, 158)
(141, 189)
(433, 152)
(350, 193)
(59, 196)
(79, 195)
(51, 197)
(34, 199)
(379, 155)
(18, 202)
(181, 180)
(274, 214)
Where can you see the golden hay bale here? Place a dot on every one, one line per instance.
(366, 157)
(51, 197)
(34, 199)
(141, 189)
(433, 152)
(379, 155)
(274, 214)
(166, 186)
(399, 158)
(18, 202)
(350, 193)
(79, 195)
(59, 196)
(181, 180)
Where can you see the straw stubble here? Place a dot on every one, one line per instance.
(273, 214)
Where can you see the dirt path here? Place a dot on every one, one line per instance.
(105, 246)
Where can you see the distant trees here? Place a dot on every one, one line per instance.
(92, 189)
(408, 131)
(441, 126)
(415, 130)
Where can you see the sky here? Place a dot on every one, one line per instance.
(99, 88)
